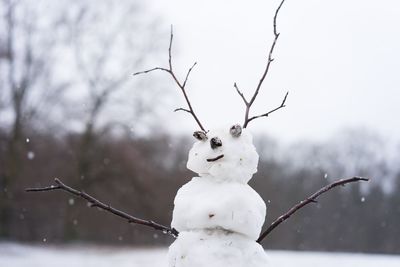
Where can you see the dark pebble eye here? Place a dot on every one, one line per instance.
(215, 142)
(199, 135)
(236, 130)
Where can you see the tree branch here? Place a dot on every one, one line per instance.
(188, 73)
(181, 85)
(241, 94)
(96, 203)
(271, 111)
(181, 109)
(270, 59)
(310, 199)
(150, 70)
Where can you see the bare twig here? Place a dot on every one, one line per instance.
(241, 94)
(188, 73)
(247, 103)
(271, 111)
(181, 109)
(181, 85)
(93, 202)
(310, 199)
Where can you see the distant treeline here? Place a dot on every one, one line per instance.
(141, 176)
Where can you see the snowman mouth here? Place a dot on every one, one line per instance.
(216, 158)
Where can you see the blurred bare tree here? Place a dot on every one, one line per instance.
(65, 69)
(108, 40)
(26, 62)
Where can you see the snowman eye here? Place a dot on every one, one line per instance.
(215, 142)
(236, 130)
(201, 136)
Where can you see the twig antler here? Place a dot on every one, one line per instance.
(181, 85)
(247, 103)
(310, 199)
(93, 202)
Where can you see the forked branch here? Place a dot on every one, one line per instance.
(249, 103)
(181, 85)
(93, 202)
(271, 111)
(310, 199)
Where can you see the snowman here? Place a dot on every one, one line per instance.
(218, 215)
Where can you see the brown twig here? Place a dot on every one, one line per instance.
(271, 111)
(181, 85)
(247, 103)
(93, 202)
(310, 199)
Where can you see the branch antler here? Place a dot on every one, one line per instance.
(310, 199)
(181, 85)
(93, 202)
(248, 103)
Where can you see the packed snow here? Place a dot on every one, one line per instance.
(240, 157)
(219, 216)
(204, 204)
(216, 249)
(17, 255)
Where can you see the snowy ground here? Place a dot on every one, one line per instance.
(16, 255)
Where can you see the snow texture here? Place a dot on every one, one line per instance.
(18, 255)
(219, 216)
(204, 203)
(238, 164)
(216, 249)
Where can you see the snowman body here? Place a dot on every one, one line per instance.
(218, 215)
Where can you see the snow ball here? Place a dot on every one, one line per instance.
(216, 249)
(363, 199)
(71, 201)
(30, 155)
(204, 203)
(224, 156)
(27, 140)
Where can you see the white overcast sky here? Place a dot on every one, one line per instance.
(339, 60)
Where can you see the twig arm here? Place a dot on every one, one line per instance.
(310, 199)
(97, 203)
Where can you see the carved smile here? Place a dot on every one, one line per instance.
(216, 158)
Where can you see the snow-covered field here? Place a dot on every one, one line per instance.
(17, 255)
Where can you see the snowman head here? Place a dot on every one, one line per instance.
(224, 154)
